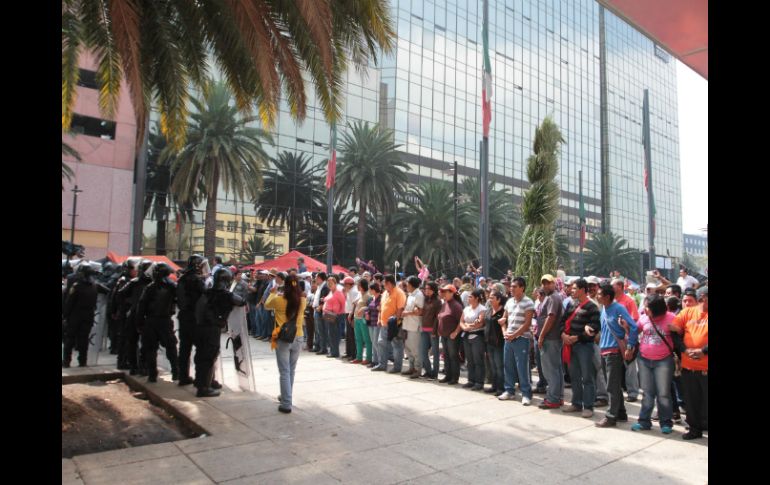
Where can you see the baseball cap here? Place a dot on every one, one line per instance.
(547, 277)
(702, 291)
(592, 280)
(449, 288)
(306, 274)
(348, 281)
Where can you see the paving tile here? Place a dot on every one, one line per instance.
(294, 426)
(69, 473)
(390, 429)
(296, 475)
(502, 468)
(125, 455)
(334, 444)
(373, 467)
(439, 478)
(224, 440)
(245, 460)
(442, 451)
(162, 471)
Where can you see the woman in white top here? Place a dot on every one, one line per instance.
(472, 325)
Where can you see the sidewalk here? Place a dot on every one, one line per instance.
(350, 425)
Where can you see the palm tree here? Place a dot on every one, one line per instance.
(370, 174)
(609, 252)
(280, 202)
(504, 220)
(220, 148)
(163, 48)
(426, 226)
(66, 171)
(540, 207)
(257, 246)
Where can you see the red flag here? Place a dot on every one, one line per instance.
(178, 227)
(331, 169)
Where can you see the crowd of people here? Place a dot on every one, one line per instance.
(598, 336)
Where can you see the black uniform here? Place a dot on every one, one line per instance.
(129, 296)
(118, 307)
(79, 309)
(155, 308)
(211, 312)
(188, 292)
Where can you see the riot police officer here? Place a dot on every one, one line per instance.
(79, 309)
(211, 313)
(154, 311)
(118, 308)
(130, 295)
(188, 292)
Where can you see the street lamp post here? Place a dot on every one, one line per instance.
(456, 240)
(74, 214)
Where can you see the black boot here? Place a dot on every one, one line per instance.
(206, 392)
(65, 364)
(185, 381)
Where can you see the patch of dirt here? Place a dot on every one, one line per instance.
(102, 416)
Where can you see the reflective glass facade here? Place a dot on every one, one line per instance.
(546, 60)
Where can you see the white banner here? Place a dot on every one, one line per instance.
(98, 330)
(238, 344)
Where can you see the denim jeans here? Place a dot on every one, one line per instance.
(496, 366)
(268, 323)
(614, 364)
(516, 362)
(542, 382)
(332, 324)
(474, 357)
(412, 346)
(252, 319)
(656, 376)
(385, 348)
(429, 341)
(451, 358)
(286, 355)
(397, 345)
(553, 369)
(601, 379)
(320, 332)
(583, 374)
(374, 335)
(632, 379)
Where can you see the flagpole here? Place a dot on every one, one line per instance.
(582, 222)
(486, 82)
(330, 176)
(648, 176)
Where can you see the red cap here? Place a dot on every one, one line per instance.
(348, 281)
(449, 288)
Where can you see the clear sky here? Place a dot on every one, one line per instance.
(693, 92)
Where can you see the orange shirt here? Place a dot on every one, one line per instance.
(630, 306)
(695, 324)
(391, 301)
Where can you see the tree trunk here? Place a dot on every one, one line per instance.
(161, 226)
(361, 236)
(210, 227)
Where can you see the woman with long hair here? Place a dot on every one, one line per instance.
(288, 303)
(429, 334)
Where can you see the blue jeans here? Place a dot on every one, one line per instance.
(656, 378)
(320, 332)
(553, 370)
(516, 361)
(632, 378)
(474, 358)
(451, 358)
(374, 335)
(267, 323)
(286, 355)
(429, 341)
(496, 366)
(583, 374)
(385, 348)
(542, 382)
(252, 319)
(331, 322)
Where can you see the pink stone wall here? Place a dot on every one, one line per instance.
(105, 173)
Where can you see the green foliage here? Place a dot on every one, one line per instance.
(540, 246)
(504, 219)
(608, 252)
(66, 171)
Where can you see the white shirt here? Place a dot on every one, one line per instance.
(350, 300)
(470, 315)
(687, 282)
(317, 297)
(414, 300)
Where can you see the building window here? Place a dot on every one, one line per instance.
(198, 241)
(247, 226)
(220, 242)
(232, 226)
(86, 125)
(231, 243)
(87, 79)
(220, 225)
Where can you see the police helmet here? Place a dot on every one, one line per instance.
(223, 279)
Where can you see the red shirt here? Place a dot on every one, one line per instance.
(630, 306)
(334, 302)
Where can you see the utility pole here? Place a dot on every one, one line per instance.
(74, 214)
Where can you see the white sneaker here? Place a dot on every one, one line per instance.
(525, 401)
(506, 396)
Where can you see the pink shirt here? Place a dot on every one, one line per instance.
(334, 302)
(650, 344)
(424, 273)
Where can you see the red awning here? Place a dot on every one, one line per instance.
(681, 27)
(289, 260)
(116, 258)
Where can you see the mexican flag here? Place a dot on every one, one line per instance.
(331, 169)
(486, 83)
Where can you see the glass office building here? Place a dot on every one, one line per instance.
(569, 59)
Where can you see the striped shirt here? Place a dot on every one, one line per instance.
(517, 314)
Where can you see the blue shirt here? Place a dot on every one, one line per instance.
(610, 327)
